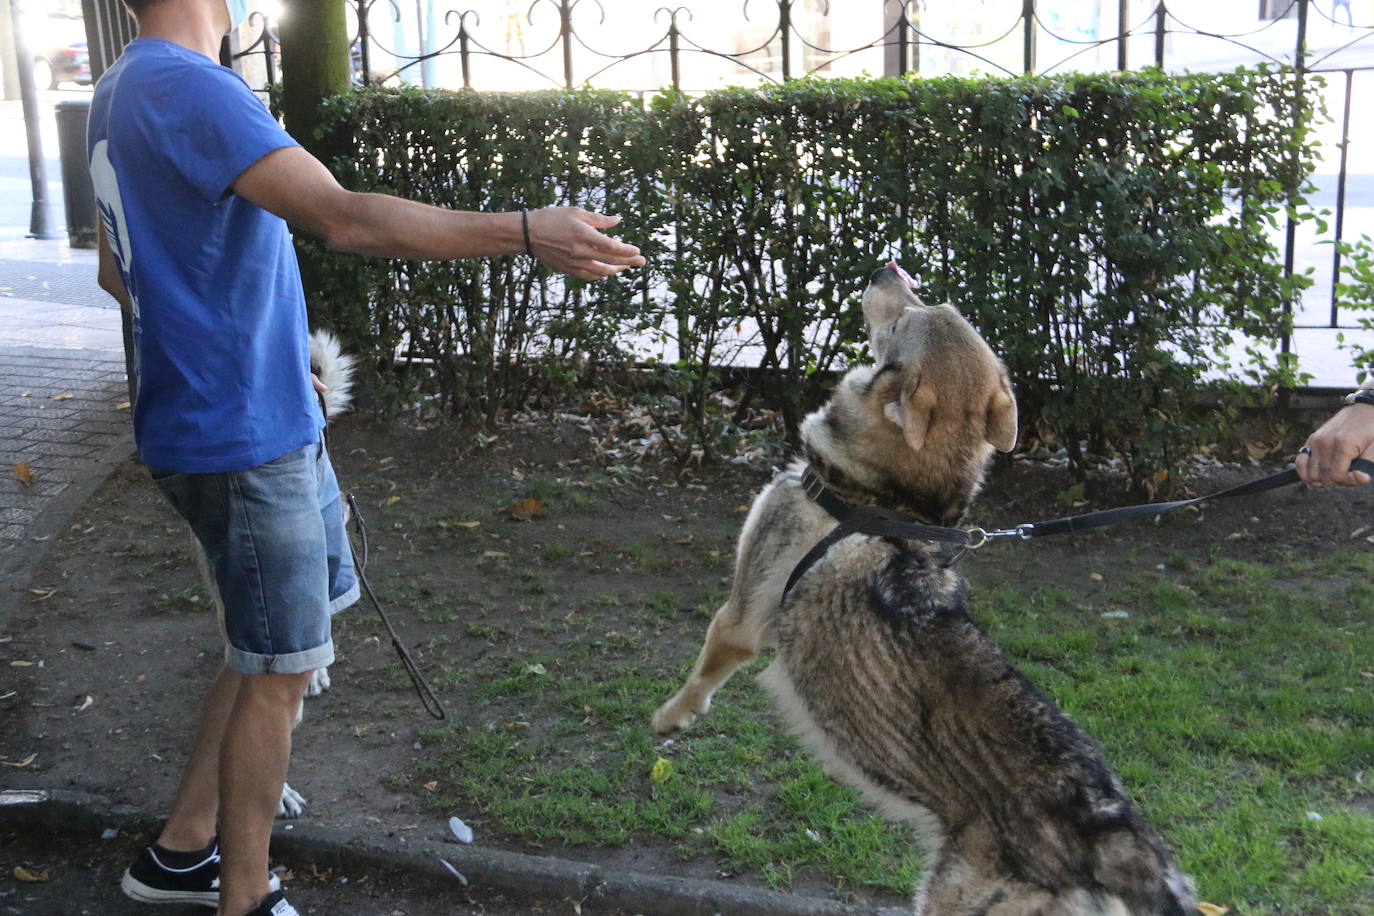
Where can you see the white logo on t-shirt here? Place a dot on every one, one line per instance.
(116, 230)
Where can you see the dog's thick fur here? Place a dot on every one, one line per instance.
(886, 678)
(334, 368)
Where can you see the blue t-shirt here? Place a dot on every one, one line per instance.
(221, 346)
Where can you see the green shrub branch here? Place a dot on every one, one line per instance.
(1107, 233)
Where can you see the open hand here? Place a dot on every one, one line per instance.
(567, 239)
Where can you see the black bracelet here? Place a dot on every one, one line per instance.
(525, 225)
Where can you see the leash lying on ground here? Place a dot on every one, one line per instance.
(879, 522)
(422, 689)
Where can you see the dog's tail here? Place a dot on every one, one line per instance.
(335, 369)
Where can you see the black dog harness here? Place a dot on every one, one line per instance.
(884, 523)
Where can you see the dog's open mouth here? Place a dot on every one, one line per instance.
(893, 265)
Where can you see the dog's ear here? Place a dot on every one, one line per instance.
(916, 409)
(1000, 428)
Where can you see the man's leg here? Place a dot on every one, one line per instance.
(253, 760)
(191, 823)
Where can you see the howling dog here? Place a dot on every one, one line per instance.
(882, 673)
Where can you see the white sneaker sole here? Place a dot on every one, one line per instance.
(137, 890)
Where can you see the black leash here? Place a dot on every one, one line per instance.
(879, 522)
(417, 680)
(422, 689)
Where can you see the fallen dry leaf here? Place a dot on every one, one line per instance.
(30, 875)
(20, 664)
(662, 770)
(63, 397)
(123, 405)
(431, 786)
(21, 470)
(42, 594)
(525, 509)
(20, 764)
(493, 554)
(1211, 909)
(86, 703)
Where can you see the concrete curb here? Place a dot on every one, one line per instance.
(516, 874)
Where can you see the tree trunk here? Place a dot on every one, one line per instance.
(314, 65)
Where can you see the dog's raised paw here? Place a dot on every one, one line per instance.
(292, 803)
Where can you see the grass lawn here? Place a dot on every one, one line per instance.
(1233, 696)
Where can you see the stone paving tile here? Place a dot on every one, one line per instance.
(61, 386)
(61, 283)
(48, 434)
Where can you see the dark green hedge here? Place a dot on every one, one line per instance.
(1106, 232)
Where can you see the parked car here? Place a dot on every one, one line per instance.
(58, 65)
(58, 45)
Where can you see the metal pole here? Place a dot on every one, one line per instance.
(463, 52)
(1291, 232)
(1161, 15)
(785, 34)
(1340, 194)
(269, 51)
(420, 39)
(40, 215)
(1028, 48)
(903, 40)
(566, 9)
(673, 52)
(364, 42)
(1123, 32)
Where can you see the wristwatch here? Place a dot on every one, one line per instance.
(1361, 396)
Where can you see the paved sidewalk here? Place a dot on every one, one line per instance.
(64, 419)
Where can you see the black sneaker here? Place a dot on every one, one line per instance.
(274, 904)
(150, 880)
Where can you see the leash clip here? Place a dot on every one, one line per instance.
(1022, 532)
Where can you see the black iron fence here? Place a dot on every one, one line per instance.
(784, 42)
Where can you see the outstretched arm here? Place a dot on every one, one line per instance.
(297, 187)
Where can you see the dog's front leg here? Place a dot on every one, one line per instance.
(730, 642)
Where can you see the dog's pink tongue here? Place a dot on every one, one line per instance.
(893, 265)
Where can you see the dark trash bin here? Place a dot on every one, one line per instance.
(77, 192)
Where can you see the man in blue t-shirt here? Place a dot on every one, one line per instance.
(196, 183)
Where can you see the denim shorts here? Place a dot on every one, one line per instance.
(275, 541)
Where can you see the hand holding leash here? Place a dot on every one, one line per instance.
(1329, 457)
